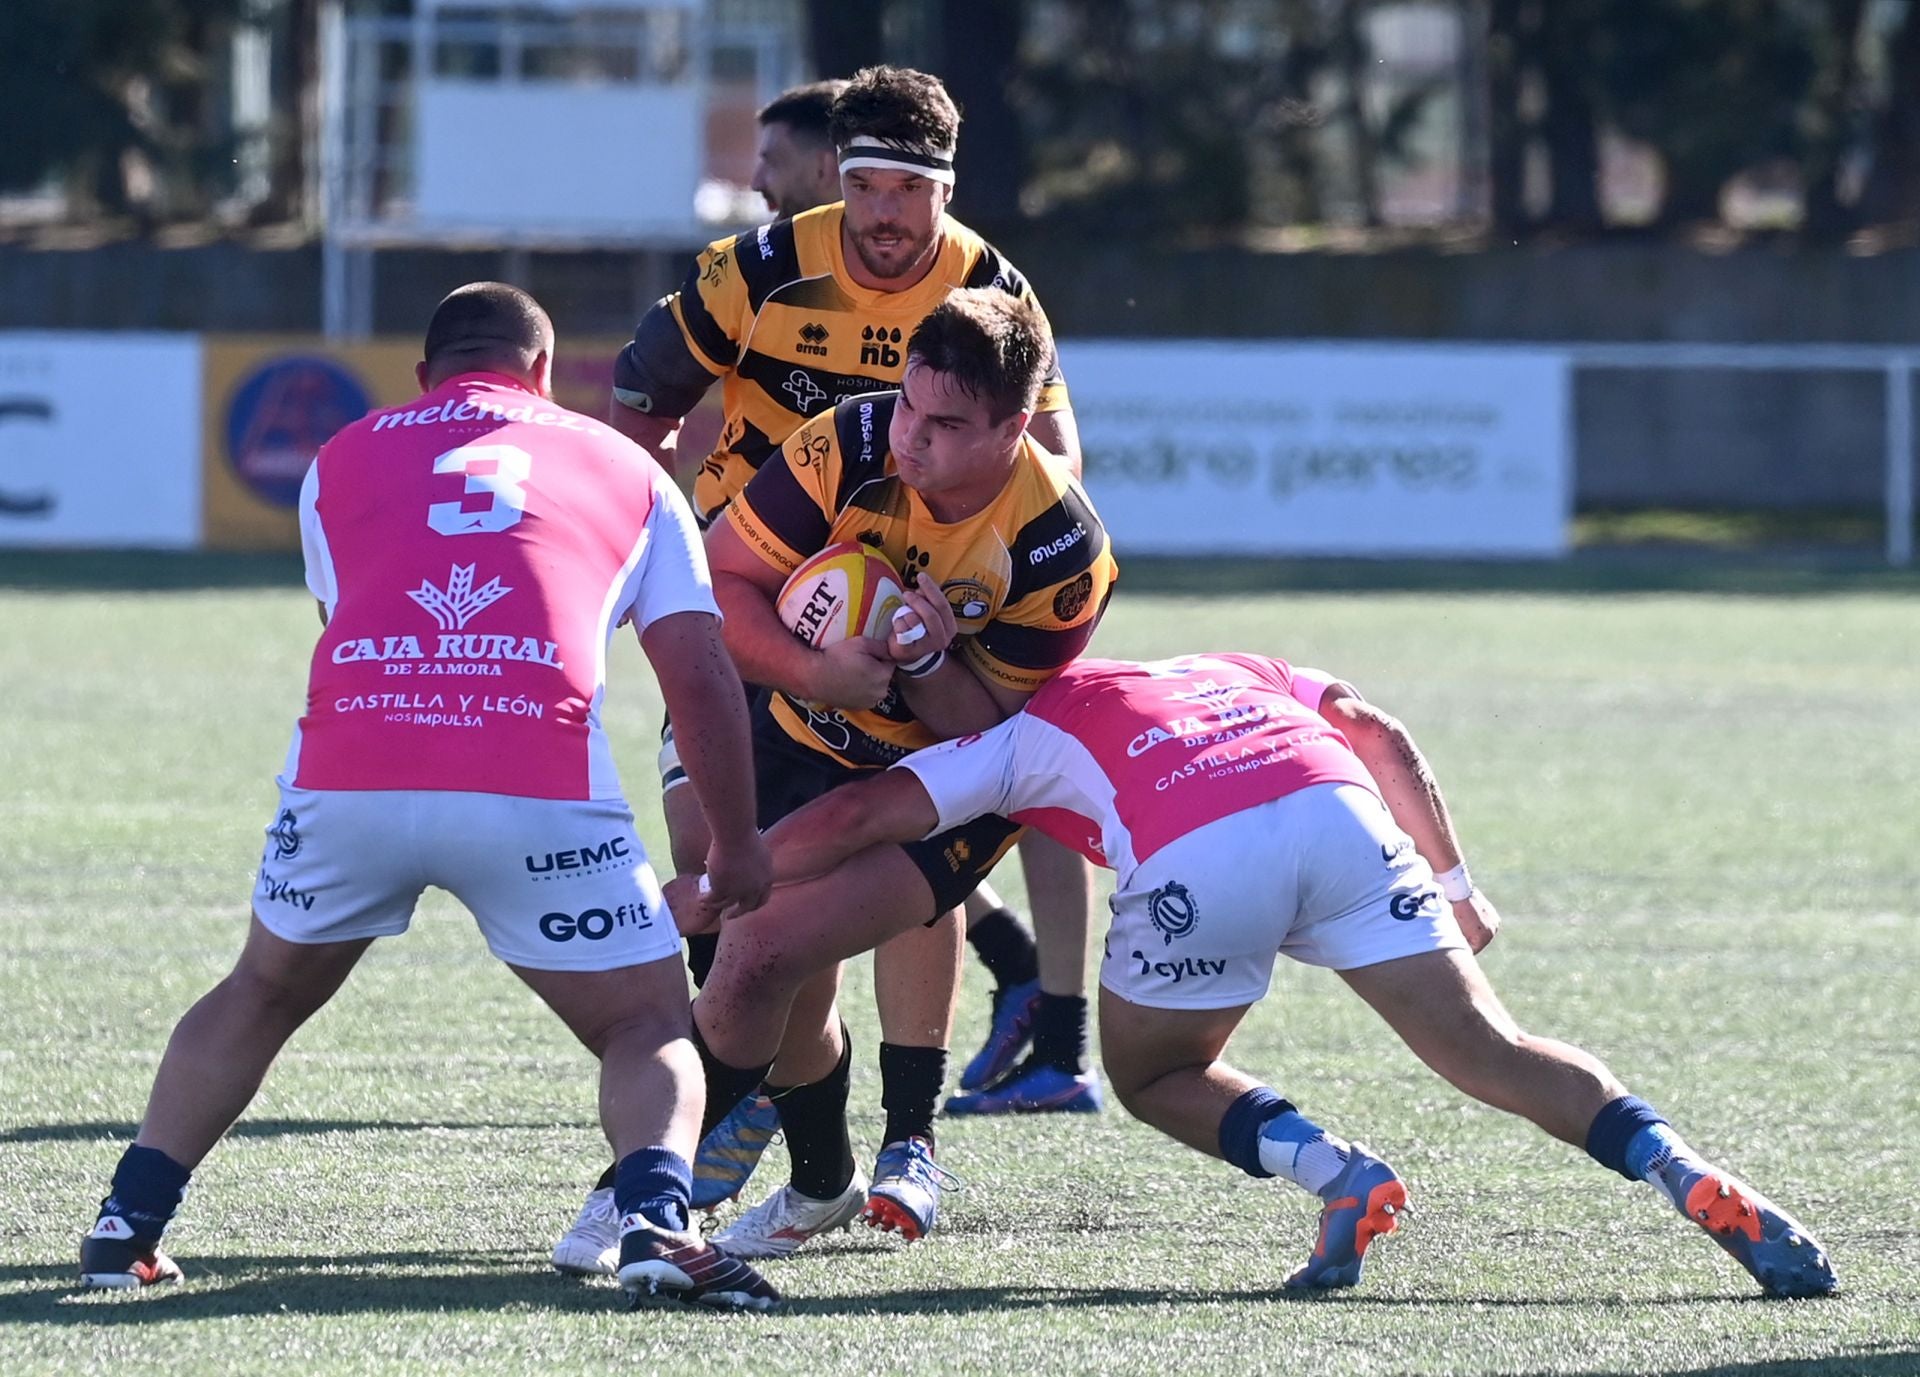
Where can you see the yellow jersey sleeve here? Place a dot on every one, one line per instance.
(786, 512)
(711, 307)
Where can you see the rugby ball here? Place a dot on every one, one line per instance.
(846, 590)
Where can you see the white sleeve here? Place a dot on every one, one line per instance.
(313, 542)
(1310, 685)
(672, 574)
(971, 777)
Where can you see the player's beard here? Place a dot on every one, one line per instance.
(897, 262)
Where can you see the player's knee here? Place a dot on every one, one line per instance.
(641, 1031)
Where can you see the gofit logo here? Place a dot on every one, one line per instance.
(876, 347)
(608, 855)
(594, 924)
(1407, 907)
(813, 340)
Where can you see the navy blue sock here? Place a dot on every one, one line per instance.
(1240, 1128)
(1614, 1130)
(148, 1187)
(654, 1184)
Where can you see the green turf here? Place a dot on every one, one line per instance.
(1696, 807)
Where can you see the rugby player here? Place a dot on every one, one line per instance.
(794, 166)
(1007, 570)
(472, 553)
(793, 317)
(1249, 808)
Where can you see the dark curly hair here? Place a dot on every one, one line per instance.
(997, 347)
(895, 103)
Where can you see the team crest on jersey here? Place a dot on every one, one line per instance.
(459, 602)
(1172, 910)
(970, 599)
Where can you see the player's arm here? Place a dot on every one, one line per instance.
(949, 697)
(672, 608)
(677, 350)
(891, 806)
(315, 556)
(1057, 431)
(1413, 797)
(930, 791)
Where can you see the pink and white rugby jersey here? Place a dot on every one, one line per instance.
(1116, 758)
(475, 550)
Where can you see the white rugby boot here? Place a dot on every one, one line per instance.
(786, 1219)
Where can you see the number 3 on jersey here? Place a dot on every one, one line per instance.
(496, 470)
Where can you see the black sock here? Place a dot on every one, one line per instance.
(910, 1082)
(726, 1085)
(1060, 1033)
(813, 1119)
(605, 1183)
(1005, 948)
(148, 1187)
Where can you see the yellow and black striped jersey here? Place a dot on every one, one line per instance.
(774, 312)
(1027, 577)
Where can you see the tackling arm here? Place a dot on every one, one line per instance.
(892, 806)
(1412, 796)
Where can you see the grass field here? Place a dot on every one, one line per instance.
(1696, 806)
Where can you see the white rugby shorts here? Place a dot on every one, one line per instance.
(1322, 875)
(555, 884)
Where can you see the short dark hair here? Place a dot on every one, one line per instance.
(806, 110)
(899, 104)
(996, 346)
(488, 322)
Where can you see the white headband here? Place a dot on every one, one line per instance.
(864, 150)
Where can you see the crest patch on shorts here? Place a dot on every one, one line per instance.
(1172, 910)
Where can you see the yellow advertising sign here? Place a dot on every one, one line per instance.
(271, 401)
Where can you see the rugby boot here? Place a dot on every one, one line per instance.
(1771, 1244)
(728, 1154)
(112, 1259)
(1008, 1034)
(656, 1264)
(905, 1198)
(786, 1219)
(1034, 1088)
(1363, 1202)
(591, 1248)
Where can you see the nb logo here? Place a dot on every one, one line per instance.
(876, 347)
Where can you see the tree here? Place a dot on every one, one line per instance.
(87, 84)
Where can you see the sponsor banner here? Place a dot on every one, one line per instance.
(272, 401)
(1209, 448)
(97, 437)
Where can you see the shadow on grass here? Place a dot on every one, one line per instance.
(138, 571)
(1872, 1360)
(1790, 571)
(495, 1279)
(86, 1132)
